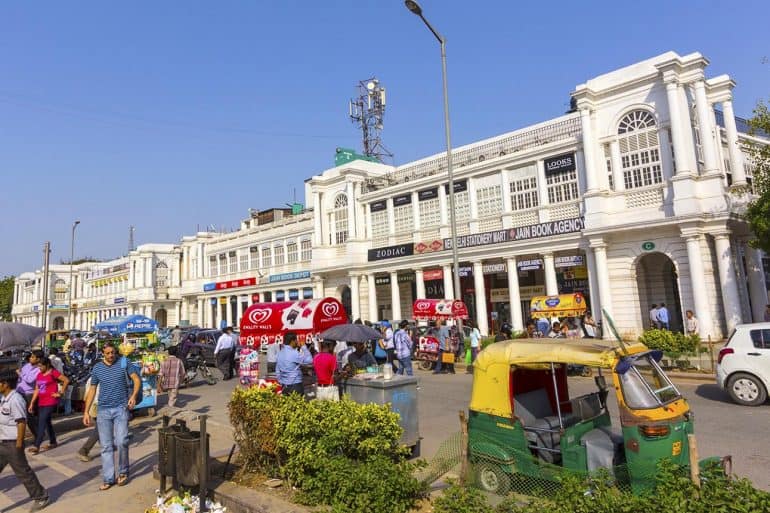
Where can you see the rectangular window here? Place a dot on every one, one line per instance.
(291, 252)
(267, 260)
(222, 264)
(430, 213)
(524, 193)
(562, 187)
(212, 266)
(243, 262)
(306, 250)
(403, 219)
(608, 162)
(489, 201)
(462, 206)
(232, 258)
(278, 254)
(379, 224)
(253, 257)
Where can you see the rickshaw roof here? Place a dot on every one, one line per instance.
(538, 354)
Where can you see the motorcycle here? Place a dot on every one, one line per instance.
(194, 365)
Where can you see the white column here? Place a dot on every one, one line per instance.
(391, 217)
(416, 211)
(443, 205)
(317, 230)
(593, 288)
(481, 298)
(514, 299)
(542, 186)
(395, 297)
(603, 282)
(147, 272)
(372, 298)
(706, 128)
(505, 188)
(589, 155)
(368, 216)
(551, 286)
(240, 312)
(756, 279)
(700, 299)
(355, 297)
(318, 285)
(728, 283)
(229, 310)
(617, 166)
(419, 284)
(201, 260)
(736, 156)
(666, 159)
(352, 232)
(472, 200)
(448, 282)
(678, 129)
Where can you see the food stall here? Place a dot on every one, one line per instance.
(263, 326)
(138, 347)
(563, 305)
(427, 352)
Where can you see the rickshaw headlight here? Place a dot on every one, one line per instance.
(654, 431)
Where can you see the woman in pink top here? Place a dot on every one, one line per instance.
(46, 396)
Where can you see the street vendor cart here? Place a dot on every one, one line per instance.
(264, 325)
(427, 353)
(138, 347)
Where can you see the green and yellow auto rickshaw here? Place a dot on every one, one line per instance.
(525, 430)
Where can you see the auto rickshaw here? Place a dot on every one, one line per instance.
(525, 430)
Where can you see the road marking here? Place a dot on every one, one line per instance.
(62, 469)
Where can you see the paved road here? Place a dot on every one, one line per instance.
(721, 427)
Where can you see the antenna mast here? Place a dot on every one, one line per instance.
(367, 110)
(130, 239)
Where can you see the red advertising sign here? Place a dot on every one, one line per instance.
(263, 324)
(433, 274)
(429, 246)
(234, 284)
(255, 298)
(434, 309)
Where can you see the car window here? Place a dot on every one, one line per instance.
(760, 338)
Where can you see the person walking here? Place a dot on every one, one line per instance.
(59, 364)
(13, 417)
(112, 421)
(325, 365)
(224, 352)
(26, 385)
(654, 322)
(444, 346)
(93, 437)
(663, 316)
(691, 323)
(46, 397)
(176, 335)
(171, 375)
(589, 325)
(390, 346)
(475, 345)
(403, 347)
(288, 365)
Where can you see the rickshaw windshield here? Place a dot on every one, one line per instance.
(648, 390)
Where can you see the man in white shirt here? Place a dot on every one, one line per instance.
(654, 323)
(224, 352)
(390, 346)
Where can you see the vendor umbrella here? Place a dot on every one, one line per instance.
(351, 333)
(16, 335)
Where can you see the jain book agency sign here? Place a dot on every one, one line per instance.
(532, 231)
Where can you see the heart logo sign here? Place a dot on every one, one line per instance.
(330, 309)
(259, 315)
(423, 305)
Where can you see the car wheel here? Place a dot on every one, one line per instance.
(746, 389)
(492, 478)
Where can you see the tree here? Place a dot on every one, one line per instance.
(6, 298)
(758, 211)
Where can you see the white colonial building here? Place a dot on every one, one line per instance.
(633, 198)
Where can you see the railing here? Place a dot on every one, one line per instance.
(565, 128)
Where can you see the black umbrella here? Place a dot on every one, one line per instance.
(351, 333)
(16, 335)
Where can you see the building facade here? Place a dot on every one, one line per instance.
(632, 198)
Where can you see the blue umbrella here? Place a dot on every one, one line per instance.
(351, 333)
(16, 335)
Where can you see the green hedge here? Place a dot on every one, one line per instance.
(670, 342)
(339, 454)
(674, 492)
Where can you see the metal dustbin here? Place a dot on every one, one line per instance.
(401, 393)
(167, 448)
(187, 452)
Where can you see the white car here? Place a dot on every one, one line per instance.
(743, 366)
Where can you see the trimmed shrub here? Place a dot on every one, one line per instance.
(671, 343)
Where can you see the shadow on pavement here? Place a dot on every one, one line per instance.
(713, 392)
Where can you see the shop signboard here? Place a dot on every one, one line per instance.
(427, 194)
(528, 292)
(459, 186)
(433, 274)
(530, 265)
(255, 298)
(382, 280)
(559, 164)
(648, 246)
(378, 206)
(119, 300)
(428, 246)
(494, 268)
(400, 201)
(405, 278)
(568, 261)
(297, 275)
(222, 300)
(532, 231)
(387, 252)
(231, 284)
(498, 295)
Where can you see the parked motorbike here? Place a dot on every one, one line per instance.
(194, 365)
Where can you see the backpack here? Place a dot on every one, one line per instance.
(124, 363)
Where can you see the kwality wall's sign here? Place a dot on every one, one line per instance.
(399, 250)
(559, 164)
(232, 284)
(532, 231)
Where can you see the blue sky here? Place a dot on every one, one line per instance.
(173, 115)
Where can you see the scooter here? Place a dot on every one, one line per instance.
(197, 364)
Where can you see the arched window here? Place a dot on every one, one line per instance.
(340, 219)
(161, 275)
(639, 150)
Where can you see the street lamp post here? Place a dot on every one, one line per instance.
(415, 8)
(71, 284)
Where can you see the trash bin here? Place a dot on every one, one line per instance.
(187, 452)
(166, 448)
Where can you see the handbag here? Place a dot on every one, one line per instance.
(447, 357)
(468, 356)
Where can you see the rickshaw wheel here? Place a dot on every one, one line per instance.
(425, 365)
(492, 478)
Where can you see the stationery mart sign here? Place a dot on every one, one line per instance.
(533, 231)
